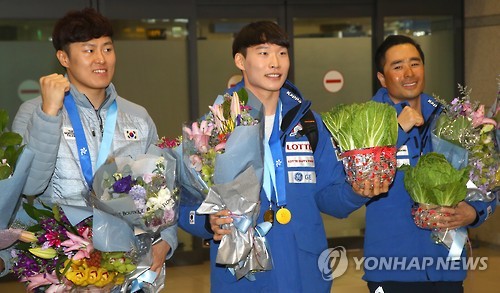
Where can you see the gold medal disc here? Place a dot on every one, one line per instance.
(269, 216)
(283, 216)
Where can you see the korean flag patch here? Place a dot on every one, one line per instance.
(131, 134)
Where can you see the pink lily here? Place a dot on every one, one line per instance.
(59, 288)
(220, 146)
(218, 116)
(479, 119)
(235, 106)
(40, 280)
(82, 244)
(200, 134)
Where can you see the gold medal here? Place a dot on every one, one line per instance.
(269, 216)
(283, 216)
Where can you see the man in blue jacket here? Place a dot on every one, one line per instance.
(314, 185)
(391, 234)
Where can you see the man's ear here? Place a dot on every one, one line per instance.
(239, 61)
(381, 78)
(63, 58)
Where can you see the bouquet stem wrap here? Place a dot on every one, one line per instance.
(243, 250)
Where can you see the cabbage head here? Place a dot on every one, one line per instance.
(362, 125)
(434, 181)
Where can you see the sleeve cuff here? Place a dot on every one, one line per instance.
(169, 235)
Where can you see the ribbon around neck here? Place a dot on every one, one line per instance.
(274, 167)
(81, 141)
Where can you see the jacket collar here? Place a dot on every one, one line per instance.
(290, 97)
(427, 103)
(82, 101)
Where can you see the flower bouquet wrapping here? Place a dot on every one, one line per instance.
(221, 145)
(15, 161)
(467, 138)
(432, 184)
(243, 251)
(142, 191)
(366, 134)
(224, 153)
(66, 254)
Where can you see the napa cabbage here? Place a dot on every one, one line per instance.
(362, 125)
(435, 181)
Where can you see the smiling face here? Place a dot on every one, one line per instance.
(90, 65)
(265, 69)
(403, 73)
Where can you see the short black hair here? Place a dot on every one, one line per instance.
(260, 32)
(80, 26)
(390, 42)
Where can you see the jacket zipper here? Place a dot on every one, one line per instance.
(98, 114)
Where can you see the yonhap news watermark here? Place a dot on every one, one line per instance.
(333, 263)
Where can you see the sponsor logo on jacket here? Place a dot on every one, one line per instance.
(301, 177)
(298, 147)
(68, 133)
(300, 161)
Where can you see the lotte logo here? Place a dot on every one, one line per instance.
(333, 263)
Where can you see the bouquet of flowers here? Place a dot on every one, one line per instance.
(207, 150)
(467, 137)
(224, 159)
(63, 257)
(12, 180)
(142, 191)
(367, 135)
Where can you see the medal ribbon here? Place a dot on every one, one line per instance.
(81, 141)
(273, 158)
(459, 237)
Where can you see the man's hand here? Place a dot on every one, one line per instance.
(217, 220)
(53, 88)
(409, 117)
(160, 251)
(371, 188)
(452, 218)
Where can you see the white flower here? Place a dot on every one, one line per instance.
(161, 201)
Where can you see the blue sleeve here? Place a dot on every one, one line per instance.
(193, 223)
(334, 196)
(483, 209)
(403, 137)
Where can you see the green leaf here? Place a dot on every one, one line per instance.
(5, 171)
(4, 119)
(12, 153)
(10, 143)
(434, 181)
(10, 139)
(243, 95)
(35, 213)
(363, 125)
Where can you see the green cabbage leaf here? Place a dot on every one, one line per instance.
(434, 181)
(362, 125)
